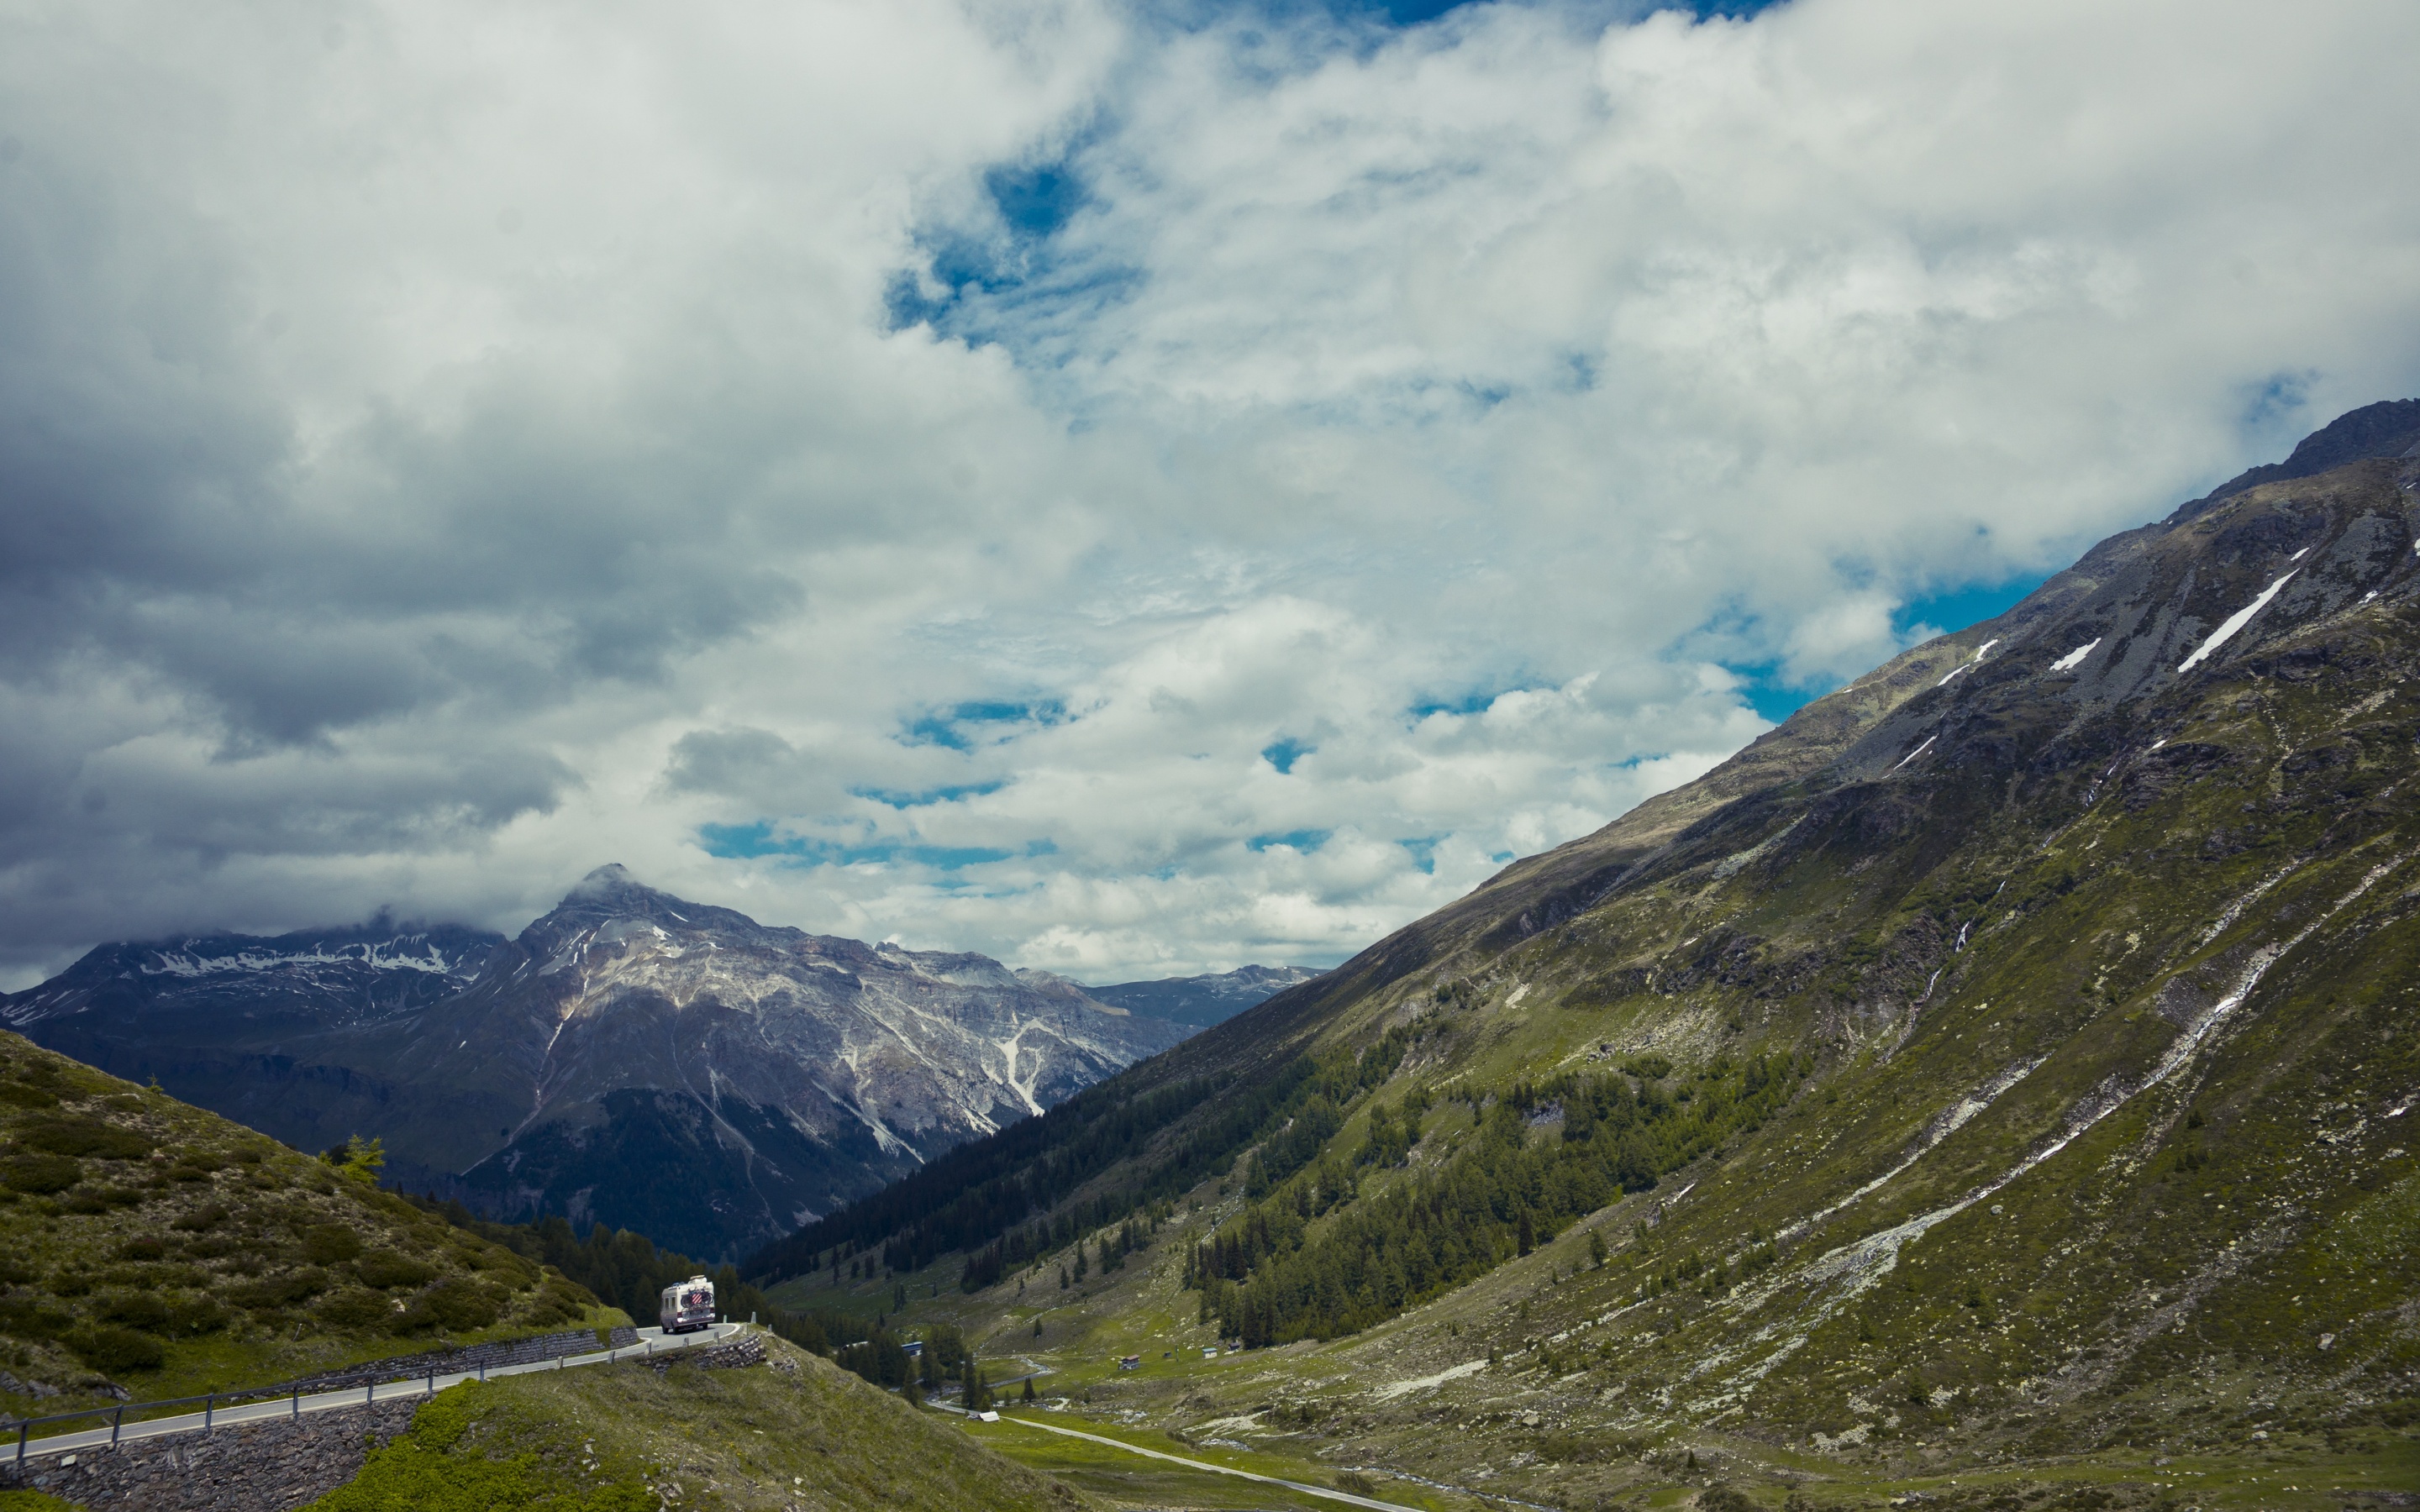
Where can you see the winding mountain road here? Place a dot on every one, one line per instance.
(652, 1341)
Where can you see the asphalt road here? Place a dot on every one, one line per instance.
(651, 1341)
(1330, 1492)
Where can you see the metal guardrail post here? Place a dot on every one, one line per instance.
(369, 1394)
(117, 1422)
(207, 1403)
(22, 1429)
(297, 1404)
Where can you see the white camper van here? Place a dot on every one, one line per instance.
(688, 1307)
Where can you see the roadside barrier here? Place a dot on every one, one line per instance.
(219, 1407)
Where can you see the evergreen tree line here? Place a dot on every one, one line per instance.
(1271, 1277)
(1006, 1254)
(882, 1358)
(994, 1199)
(625, 1270)
(978, 1191)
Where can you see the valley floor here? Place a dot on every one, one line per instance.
(1427, 1423)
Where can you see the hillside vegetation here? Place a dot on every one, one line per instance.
(151, 1249)
(794, 1432)
(1994, 1082)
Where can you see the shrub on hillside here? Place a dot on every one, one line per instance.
(191, 1316)
(557, 1302)
(135, 1309)
(463, 1304)
(39, 1175)
(281, 1290)
(385, 1267)
(356, 1307)
(330, 1243)
(83, 1136)
(26, 1319)
(108, 1348)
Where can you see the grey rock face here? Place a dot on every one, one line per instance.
(269, 1031)
(630, 1059)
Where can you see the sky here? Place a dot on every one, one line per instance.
(1128, 488)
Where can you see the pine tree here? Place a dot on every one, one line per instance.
(1027, 1395)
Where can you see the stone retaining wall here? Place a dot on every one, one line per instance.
(733, 1355)
(254, 1467)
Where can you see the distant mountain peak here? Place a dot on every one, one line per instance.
(1202, 1000)
(607, 880)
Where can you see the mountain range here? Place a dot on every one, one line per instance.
(1203, 1000)
(631, 1058)
(1996, 1078)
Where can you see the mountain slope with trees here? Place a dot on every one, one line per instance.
(2005, 1062)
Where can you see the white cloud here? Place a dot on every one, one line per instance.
(446, 448)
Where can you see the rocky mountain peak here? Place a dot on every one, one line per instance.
(611, 893)
(2390, 427)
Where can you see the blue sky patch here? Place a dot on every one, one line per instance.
(951, 727)
(1413, 12)
(1774, 698)
(1423, 852)
(1474, 702)
(929, 795)
(1971, 605)
(1305, 841)
(1285, 753)
(1036, 201)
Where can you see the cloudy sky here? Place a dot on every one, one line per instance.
(1126, 487)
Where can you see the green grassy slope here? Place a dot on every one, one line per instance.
(795, 1432)
(2080, 1154)
(150, 1248)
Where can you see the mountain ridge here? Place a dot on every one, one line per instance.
(2000, 1066)
(631, 1056)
